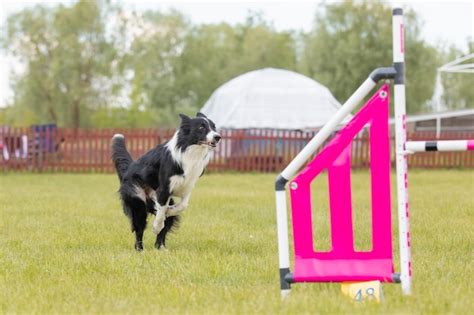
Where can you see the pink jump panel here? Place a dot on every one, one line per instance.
(342, 262)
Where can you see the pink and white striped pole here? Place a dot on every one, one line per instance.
(400, 140)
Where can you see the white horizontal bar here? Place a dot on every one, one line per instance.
(448, 145)
(415, 146)
(457, 61)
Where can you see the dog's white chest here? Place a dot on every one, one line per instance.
(193, 162)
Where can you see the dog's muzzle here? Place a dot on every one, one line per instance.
(215, 140)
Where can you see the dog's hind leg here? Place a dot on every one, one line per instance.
(135, 209)
(139, 225)
(170, 223)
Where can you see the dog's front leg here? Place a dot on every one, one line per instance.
(180, 207)
(161, 206)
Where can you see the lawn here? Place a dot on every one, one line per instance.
(66, 247)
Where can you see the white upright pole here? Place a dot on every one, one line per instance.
(283, 246)
(400, 140)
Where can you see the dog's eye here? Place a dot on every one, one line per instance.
(202, 128)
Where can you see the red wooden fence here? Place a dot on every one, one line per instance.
(88, 150)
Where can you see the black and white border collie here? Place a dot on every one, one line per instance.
(160, 182)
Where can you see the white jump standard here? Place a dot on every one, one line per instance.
(398, 50)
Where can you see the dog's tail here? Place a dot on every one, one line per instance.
(120, 155)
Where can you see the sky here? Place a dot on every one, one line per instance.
(443, 21)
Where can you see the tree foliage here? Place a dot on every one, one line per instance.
(350, 39)
(177, 67)
(69, 61)
(94, 64)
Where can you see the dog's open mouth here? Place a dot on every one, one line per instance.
(211, 144)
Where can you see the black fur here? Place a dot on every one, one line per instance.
(151, 173)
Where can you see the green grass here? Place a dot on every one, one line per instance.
(66, 247)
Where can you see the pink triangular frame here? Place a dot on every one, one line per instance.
(343, 263)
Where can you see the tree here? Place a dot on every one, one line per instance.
(350, 39)
(68, 58)
(214, 54)
(177, 66)
(152, 61)
(93, 64)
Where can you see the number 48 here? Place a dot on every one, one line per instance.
(369, 295)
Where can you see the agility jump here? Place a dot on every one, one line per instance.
(343, 263)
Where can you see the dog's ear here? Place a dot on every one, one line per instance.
(184, 119)
(199, 114)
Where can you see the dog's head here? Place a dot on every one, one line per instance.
(199, 130)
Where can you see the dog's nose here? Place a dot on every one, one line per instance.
(217, 138)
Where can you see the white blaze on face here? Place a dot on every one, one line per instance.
(212, 133)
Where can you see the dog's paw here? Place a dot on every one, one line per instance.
(158, 225)
(176, 209)
(139, 246)
(161, 248)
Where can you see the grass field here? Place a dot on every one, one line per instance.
(66, 247)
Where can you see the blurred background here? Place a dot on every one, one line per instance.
(93, 66)
(139, 63)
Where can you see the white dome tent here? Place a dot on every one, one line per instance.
(272, 99)
(266, 115)
(456, 66)
(437, 103)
